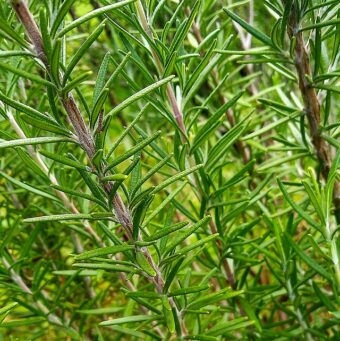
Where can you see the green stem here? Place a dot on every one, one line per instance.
(177, 113)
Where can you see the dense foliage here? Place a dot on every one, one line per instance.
(169, 170)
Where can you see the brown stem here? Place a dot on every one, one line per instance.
(311, 103)
(31, 27)
(85, 138)
(228, 271)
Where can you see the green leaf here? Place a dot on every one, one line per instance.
(26, 109)
(185, 234)
(116, 73)
(317, 49)
(332, 177)
(144, 264)
(163, 204)
(297, 208)
(82, 50)
(75, 82)
(115, 177)
(97, 191)
(309, 261)
(28, 188)
(118, 183)
(64, 9)
(189, 290)
(323, 298)
(139, 214)
(132, 151)
(269, 127)
(320, 24)
(277, 162)
(150, 173)
(184, 28)
(7, 308)
(172, 274)
(223, 145)
(285, 20)
(136, 173)
(31, 163)
(143, 294)
(166, 231)
(140, 94)
(45, 34)
(55, 60)
(199, 69)
(277, 105)
(315, 201)
(240, 323)
(25, 74)
(33, 141)
(197, 244)
(80, 273)
(6, 54)
(213, 298)
(201, 337)
(175, 178)
(46, 126)
(129, 319)
(169, 67)
(103, 251)
(100, 311)
(98, 107)
(212, 123)
(336, 314)
(251, 313)
(79, 195)
(126, 131)
(250, 29)
(168, 314)
(8, 32)
(58, 217)
(127, 331)
(64, 160)
(205, 73)
(27, 321)
(106, 266)
(100, 81)
(333, 88)
(91, 15)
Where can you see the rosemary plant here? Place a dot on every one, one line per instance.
(169, 170)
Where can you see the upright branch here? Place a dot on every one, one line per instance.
(85, 138)
(239, 145)
(31, 28)
(176, 111)
(86, 141)
(311, 102)
(179, 118)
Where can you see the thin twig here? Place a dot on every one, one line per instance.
(176, 111)
(311, 103)
(85, 139)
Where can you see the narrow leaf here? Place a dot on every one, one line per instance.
(82, 50)
(103, 251)
(33, 141)
(91, 15)
(140, 94)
